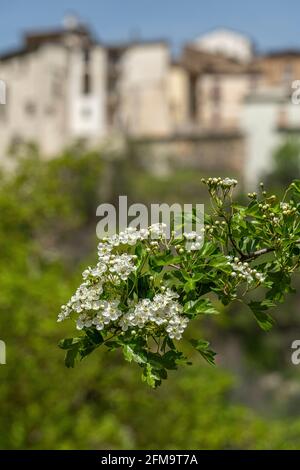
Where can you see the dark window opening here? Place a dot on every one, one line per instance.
(287, 73)
(3, 103)
(216, 92)
(86, 55)
(30, 108)
(193, 105)
(86, 88)
(86, 113)
(253, 82)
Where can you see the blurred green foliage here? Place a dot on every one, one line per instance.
(47, 232)
(285, 164)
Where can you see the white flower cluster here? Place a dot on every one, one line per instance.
(131, 236)
(219, 182)
(112, 268)
(107, 311)
(243, 271)
(86, 298)
(193, 241)
(162, 310)
(287, 208)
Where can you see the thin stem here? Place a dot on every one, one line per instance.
(262, 251)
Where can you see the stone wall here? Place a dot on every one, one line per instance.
(210, 153)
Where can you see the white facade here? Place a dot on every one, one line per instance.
(229, 43)
(58, 91)
(225, 111)
(46, 103)
(87, 111)
(32, 112)
(265, 117)
(144, 105)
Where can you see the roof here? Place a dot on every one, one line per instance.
(282, 53)
(13, 53)
(268, 95)
(223, 29)
(121, 46)
(35, 39)
(197, 61)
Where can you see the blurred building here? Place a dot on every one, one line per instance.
(137, 88)
(227, 43)
(204, 108)
(280, 68)
(56, 89)
(269, 117)
(64, 85)
(217, 86)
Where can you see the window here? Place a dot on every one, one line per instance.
(253, 81)
(86, 83)
(216, 119)
(3, 102)
(56, 88)
(216, 91)
(30, 108)
(50, 110)
(3, 112)
(193, 104)
(86, 113)
(86, 55)
(287, 73)
(3, 92)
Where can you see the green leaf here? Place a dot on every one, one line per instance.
(200, 306)
(139, 250)
(155, 359)
(94, 335)
(281, 285)
(133, 355)
(68, 343)
(151, 376)
(113, 345)
(264, 320)
(71, 355)
(172, 359)
(295, 186)
(203, 348)
(189, 286)
(220, 262)
(208, 249)
(165, 259)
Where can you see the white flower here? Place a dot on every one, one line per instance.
(157, 230)
(285, 206)
(190, 235)
(122, 266)
(176, 327)
(130, 236)
(83, 300)
(244, 271)
(219, 182)
(228, 182)
(107, 312)
(94, 273)
(162, 310)
(193, 241)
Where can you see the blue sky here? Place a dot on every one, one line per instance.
(272, 23)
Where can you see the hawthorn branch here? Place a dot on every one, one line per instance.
(249, 256)
(175, 266)
(230, 236)
(256, 254)
(262, 251)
